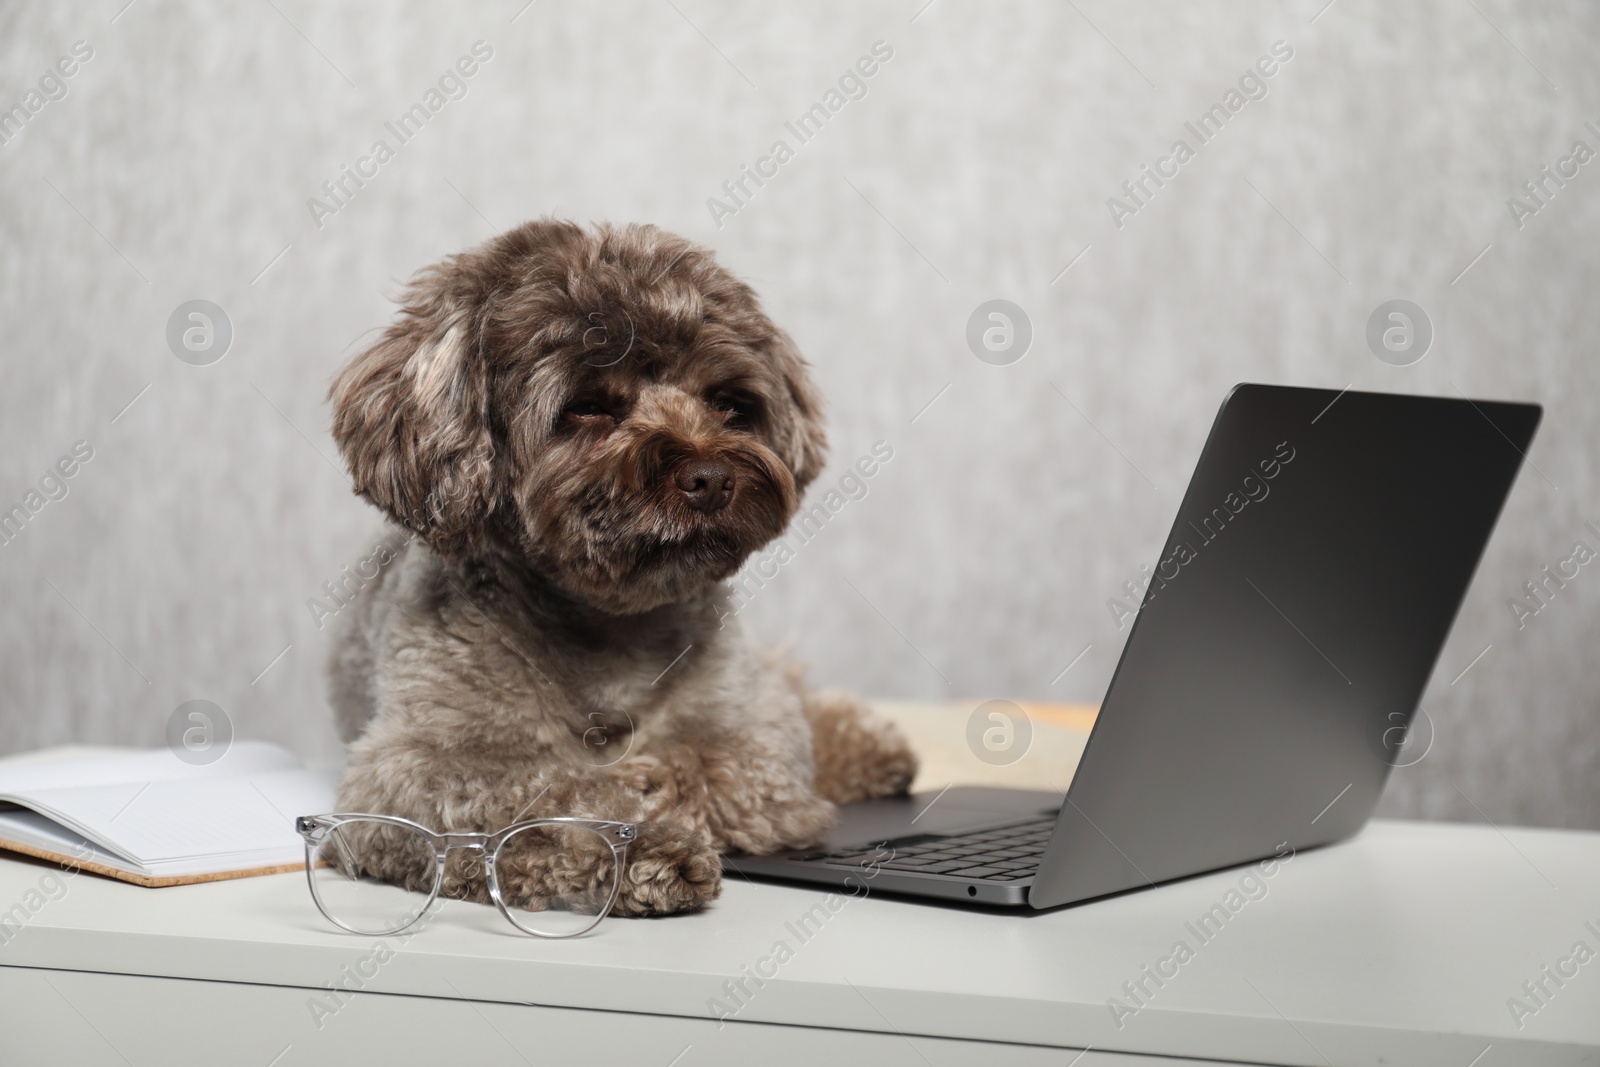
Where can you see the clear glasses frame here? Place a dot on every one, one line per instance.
(317, 828)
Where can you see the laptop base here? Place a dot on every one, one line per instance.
(875, 832)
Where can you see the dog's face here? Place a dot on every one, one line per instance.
(610, 404)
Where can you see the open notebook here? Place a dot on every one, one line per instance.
(147, 817)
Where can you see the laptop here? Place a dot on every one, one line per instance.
(1298, 606)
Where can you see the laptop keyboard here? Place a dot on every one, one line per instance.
(1005, 854)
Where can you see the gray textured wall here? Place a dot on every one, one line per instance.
(179, 163)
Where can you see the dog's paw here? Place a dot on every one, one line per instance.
(669, 869)
(891, 773)
(799, 819)
(859, 753)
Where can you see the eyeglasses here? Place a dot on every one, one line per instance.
(521, 864)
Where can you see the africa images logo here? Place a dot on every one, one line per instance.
(852, 85)
(1253, 489)
(1252, 86)
(453, 84)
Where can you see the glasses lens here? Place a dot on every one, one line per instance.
(556, 879)
(362, 871)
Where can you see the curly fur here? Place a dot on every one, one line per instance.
(549, 636)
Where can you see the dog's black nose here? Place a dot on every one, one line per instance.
(707, 483)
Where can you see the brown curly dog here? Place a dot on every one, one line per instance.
(580, 434)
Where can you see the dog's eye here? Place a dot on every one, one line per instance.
(588, 410)
(739, 410)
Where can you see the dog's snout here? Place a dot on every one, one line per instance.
(708, 484)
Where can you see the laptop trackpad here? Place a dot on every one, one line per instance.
(959, 810)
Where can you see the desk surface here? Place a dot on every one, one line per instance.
(1403, 946)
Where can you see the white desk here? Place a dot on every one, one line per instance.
(1401, 947)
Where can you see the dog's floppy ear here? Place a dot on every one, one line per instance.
(797, 433)
(411, 417)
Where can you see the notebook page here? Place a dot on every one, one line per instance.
(31, 828)
(205, 819)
